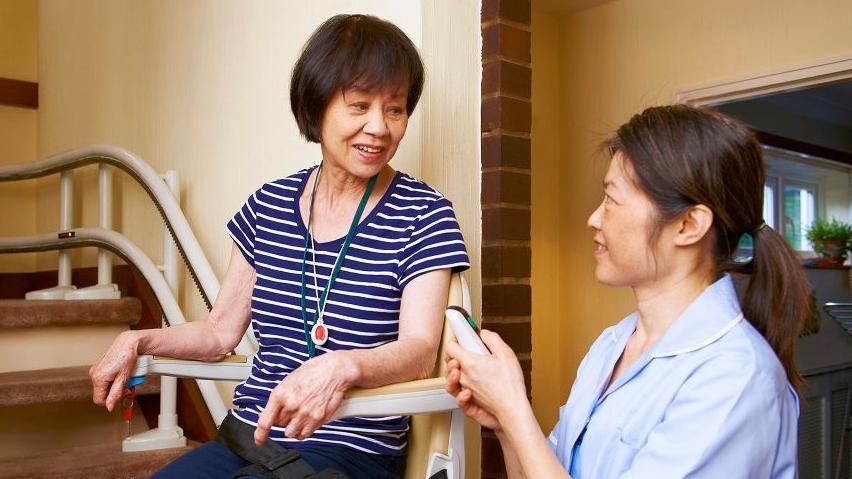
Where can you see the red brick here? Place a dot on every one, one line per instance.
(516, 335)
(506, 113)
(518, 11)
(492, 457)
(505, 150)
(505, 300)
(505, 224)
(505, 187)
(506, 262)
(505, 41)
(506, 78)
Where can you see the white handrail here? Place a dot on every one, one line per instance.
(160, 194)
(127, 250)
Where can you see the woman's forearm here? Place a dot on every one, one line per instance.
(398, 361)
(510, 457)
(532, 451)
(195, 340)
(212, 339)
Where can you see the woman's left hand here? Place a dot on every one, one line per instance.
(307, 397)
(495, 381)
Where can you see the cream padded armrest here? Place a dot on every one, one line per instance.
(235, 367)
(403, 399)
(414, 397)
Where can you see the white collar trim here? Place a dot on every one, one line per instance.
(704, 343)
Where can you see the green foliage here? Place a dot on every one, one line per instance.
(822, 230)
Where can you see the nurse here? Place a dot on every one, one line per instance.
(694, 383)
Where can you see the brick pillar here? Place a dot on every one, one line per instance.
(506, 120)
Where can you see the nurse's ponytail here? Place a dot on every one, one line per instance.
(684, 156)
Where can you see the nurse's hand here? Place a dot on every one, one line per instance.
(494, 383)
(307, 398)
(465, 398)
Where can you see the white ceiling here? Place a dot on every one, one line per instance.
(562, 7)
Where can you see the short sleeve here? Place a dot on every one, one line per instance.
(436, 243)
(242, 226)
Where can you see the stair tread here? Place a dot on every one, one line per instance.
(90, 462)
(21, 313)
(55, 385)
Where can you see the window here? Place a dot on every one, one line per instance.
(799, 189)
(800, 200)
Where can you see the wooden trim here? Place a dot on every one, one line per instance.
(18, 93)
(792, 78)
(785, 143)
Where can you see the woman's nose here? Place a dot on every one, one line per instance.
(376, 124)
(594, 220)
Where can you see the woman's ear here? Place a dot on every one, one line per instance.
(694, 225)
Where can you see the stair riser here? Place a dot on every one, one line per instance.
(36, 428)
(26, 349)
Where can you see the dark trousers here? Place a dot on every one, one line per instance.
(215, 461)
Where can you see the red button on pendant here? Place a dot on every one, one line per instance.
(319, 334)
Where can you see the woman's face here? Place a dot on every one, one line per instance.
(621, 225)
(361, 129)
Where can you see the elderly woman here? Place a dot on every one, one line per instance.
(342, 271)
(695, 383)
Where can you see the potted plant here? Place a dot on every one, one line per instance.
(831, 239)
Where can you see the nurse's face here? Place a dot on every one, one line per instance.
(621, 225)
(361, 129)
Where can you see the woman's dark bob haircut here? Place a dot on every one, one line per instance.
(348, 51)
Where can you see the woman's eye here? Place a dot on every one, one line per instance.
(608, 199)
(396, 111)
(360, 106)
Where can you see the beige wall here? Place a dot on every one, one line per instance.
(204, 91)
(613, 60)
(18, 61)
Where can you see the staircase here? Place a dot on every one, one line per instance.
(49, 426)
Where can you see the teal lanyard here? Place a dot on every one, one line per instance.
(337, 264)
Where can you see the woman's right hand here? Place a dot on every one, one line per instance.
(494, 382)
(466, 400)
(111, 371)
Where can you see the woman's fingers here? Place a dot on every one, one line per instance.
(495, 343)
(453, 381)
(268, 418)
(115, 391)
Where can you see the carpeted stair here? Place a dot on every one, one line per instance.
(63, 385)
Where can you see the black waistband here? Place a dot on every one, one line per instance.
(270, 460)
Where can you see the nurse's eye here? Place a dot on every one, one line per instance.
(608, 200)
(396, 111)
(361, 107)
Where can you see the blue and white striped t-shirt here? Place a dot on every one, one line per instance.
(412, 230)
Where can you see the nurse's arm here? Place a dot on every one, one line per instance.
(529, 453)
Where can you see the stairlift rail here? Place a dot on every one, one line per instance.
(133, 255)
(150, 181)
(168, 206)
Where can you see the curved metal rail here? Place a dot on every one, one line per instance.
(149, 179)
(167, 205)
(134, 256)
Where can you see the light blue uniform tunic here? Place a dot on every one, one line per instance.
(709, 400)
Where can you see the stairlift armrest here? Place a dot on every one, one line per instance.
(424, 396)
(235, 367)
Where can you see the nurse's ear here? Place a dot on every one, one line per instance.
(694, 225)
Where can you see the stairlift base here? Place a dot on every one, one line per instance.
(154, 439)
(56, 292)
(98, 291)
